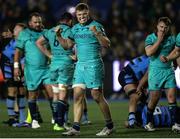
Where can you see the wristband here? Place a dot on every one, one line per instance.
(16, 65)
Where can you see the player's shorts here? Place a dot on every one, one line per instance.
(90, 73)
(62, 74)
(35, 76)
(8, 73)
(127, 76)
(161, 78)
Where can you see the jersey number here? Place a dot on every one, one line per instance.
(56, 42)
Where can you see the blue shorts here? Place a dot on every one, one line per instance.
(91, 74)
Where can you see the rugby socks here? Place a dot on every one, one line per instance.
(61, 112)
(33, 109)
(10, 105)
(76, 126)
(173, 111)
(66, 113)
(51, 106)
(109, 124)
(55, 111)
(16, 114)
(131, 118)
(39, 118)
(149, 115)
(85, 115)
(22, 104)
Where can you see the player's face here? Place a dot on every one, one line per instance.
(16, 30)
(162, 27)
(82, 16)
(36, 23)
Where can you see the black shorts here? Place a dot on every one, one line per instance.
(127, 76)
(12, 83)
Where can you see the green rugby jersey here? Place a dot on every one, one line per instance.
(26, 41)
(178, 40)
(165, 49)
(87, 45)
(60, 55)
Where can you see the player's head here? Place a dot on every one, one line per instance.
(18, 28)
(82, 13)
(163, 25)
(66, 18)
(35, 21)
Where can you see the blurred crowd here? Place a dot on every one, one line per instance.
(127, 22)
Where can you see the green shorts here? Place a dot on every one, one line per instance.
(62, 74)
(161, 78)
(91, 74)
(34, 77)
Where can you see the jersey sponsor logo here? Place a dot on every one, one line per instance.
(82, 36)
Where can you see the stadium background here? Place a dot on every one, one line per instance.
(127, 22)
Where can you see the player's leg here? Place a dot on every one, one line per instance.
(55, 106)
(154, 98)
(156, 80)
(49, 91)
(78, 106)
(62, 104)
(171, 96)
(10, 102)
(85, 119)
(98, 96)
(78, 109)
(32, 105)
(21, 104)
(130, 90)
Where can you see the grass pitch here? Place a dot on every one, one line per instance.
(119, 111)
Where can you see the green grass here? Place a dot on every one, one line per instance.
(119, 114)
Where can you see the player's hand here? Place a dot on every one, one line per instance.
(164, 59)
(58, 30)
(73, 57)
(139, 90)
(93, 29)
(17, 74)
(7, 34)
(160, 35)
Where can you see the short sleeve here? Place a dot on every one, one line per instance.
(148, 41)
(21, 40)
(178, 40)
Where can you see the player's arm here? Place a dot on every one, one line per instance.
(142, 83)
(152, 49)
(172, 56)
(41, 42)
(103, 40)
(65, 43)
(17, 71)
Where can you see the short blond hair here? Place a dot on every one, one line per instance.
(81, 7)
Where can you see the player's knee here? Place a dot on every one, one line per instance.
(171, 98)
(78, 98)
(131, 92)
(96, 94)
(32, 96)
